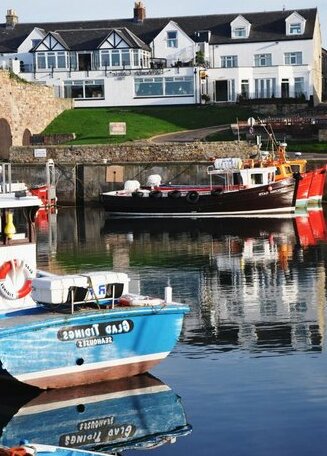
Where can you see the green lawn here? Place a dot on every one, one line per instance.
(313, 147)
(91, 125)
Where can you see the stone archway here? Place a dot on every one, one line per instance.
(26, 137)
(5, 139)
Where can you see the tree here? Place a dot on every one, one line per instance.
(199, 58)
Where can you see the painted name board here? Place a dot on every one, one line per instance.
(89, 332)
(40, 153)
(117, 128)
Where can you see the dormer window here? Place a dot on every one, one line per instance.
(240, 28)
(295, 29)
(295, 24)
(172, 39)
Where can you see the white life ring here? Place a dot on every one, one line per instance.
(16, 267)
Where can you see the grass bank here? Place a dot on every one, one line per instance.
(91, 125)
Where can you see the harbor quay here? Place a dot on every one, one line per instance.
(82, 173)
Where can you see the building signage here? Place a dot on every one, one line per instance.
(117, 128)
(40, 153)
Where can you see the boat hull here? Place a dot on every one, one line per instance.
(278, 197)
(316, 189)
(59, 351)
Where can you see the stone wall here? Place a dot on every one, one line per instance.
(140, 152)
(83, 172)
(27, 108)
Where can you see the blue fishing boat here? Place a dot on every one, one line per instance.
(136, 412)
(60, 331)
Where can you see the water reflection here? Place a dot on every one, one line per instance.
(254, 285)
(140, 412)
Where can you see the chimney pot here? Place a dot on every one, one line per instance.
(11, 18)
(139, 12)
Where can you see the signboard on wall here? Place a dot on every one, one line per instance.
(117, 128)
(40, 153)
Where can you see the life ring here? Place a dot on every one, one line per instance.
(155, 194)
(17, 451)
(174, 194)
(9, 291)
(192, 197)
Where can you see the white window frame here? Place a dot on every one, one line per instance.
(264, 87)
(293, 58)
(239, 32)
(299, 84)
(179, 81)
(228, 61)
(245, 88)
(49, 56)
(84, 84)
(262, 60)
(172, 42)
(295, 28)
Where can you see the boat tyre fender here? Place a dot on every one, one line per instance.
(192, 197)
(9, 291)
(174, 194)
(155, 194)
(137, 194)
(216, 192)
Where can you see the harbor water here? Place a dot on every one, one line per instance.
(250, 368)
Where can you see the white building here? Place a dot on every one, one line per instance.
(165, 61)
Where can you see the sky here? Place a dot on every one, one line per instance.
(67, 10)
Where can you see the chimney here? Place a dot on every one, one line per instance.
(11, 18)
(139, 12)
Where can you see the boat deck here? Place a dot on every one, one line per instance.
(61, 315)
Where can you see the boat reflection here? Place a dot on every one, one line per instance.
(262, 286)
(138, 412)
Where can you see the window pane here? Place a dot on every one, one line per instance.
(172, 39)
(61, 60)
(115, 58)
(105, 58)
(94, 91)
(51, 60)
(148, 88)
(298, 87)
(126, 60)
(40, 60)
(295, 29)
(136, 58)
(179, 86)
(77, 91)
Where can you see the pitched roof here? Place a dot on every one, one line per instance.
(265, 26)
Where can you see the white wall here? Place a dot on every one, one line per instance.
(278, 70)
(119, 90)
(184, 52)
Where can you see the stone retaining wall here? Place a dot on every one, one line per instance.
(140, 152)
(26, 108)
